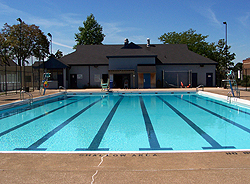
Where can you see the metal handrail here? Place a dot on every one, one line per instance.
(237, 93)
(229, 96)
(200, 86)
(30, 96)
(61, 87)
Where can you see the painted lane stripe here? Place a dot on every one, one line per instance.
(208, 138)
(36, 118)
(219, 116)
(99, 136)
(221, 104)
(153, 142)
(35, 145)
(27, 108)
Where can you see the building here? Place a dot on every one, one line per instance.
(246, 66)
(138, 66)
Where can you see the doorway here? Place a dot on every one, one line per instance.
(194, 80)
(147, 81)
(209, 79)
(121, 81)
(73, 81)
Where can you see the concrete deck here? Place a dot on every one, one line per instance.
(195, 167)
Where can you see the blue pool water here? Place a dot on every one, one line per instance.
(122, 122)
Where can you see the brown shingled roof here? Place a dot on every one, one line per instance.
(165, 53)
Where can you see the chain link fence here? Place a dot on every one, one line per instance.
(13, 79)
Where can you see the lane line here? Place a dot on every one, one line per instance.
(35, 145)
(99, 136)
(208, 138)
(36, 118)
(219, 116)
(221, 104)
(153, 141)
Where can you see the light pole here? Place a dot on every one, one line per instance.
(20, 46)
(50, 35)
(226, 41)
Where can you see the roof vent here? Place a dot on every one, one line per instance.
(148, 42)
(125, 42)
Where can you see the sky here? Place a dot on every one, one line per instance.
(136, 20)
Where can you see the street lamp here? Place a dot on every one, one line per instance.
(50, 35)
(226, 41)
(20, 46)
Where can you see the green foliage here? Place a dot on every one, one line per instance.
(58, 54)
(245, 82)
(25, 41)
(4, 49)
(196, 42)
(90, 33)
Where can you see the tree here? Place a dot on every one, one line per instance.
(90, 33)
(4, 50)
(58, 54)
(196, 42)
(26, 41)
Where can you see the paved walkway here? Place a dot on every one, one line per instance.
(195, 167)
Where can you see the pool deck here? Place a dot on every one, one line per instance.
(230, 166)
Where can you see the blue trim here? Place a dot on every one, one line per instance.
(94, 146)
(209, 139)
(35, 145)
(152, 139)
(219, 116)
(36, 118)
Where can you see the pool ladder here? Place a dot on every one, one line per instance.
(230, 95)
(65, 90)
(30, 96)
(61, 87)
(200, 86)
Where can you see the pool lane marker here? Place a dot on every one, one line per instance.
(36, 118)
(219, 116)
(25, 108)
(208, 138)
(94, 146)
(221, 104)
(35, 145)
(153, 142)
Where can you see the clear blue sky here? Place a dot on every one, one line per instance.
(136, 20)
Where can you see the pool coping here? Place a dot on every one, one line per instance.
(233, 100)
(27, 101)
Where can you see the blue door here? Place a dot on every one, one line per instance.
(146, 77)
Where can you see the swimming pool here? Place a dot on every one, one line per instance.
(125, 122)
